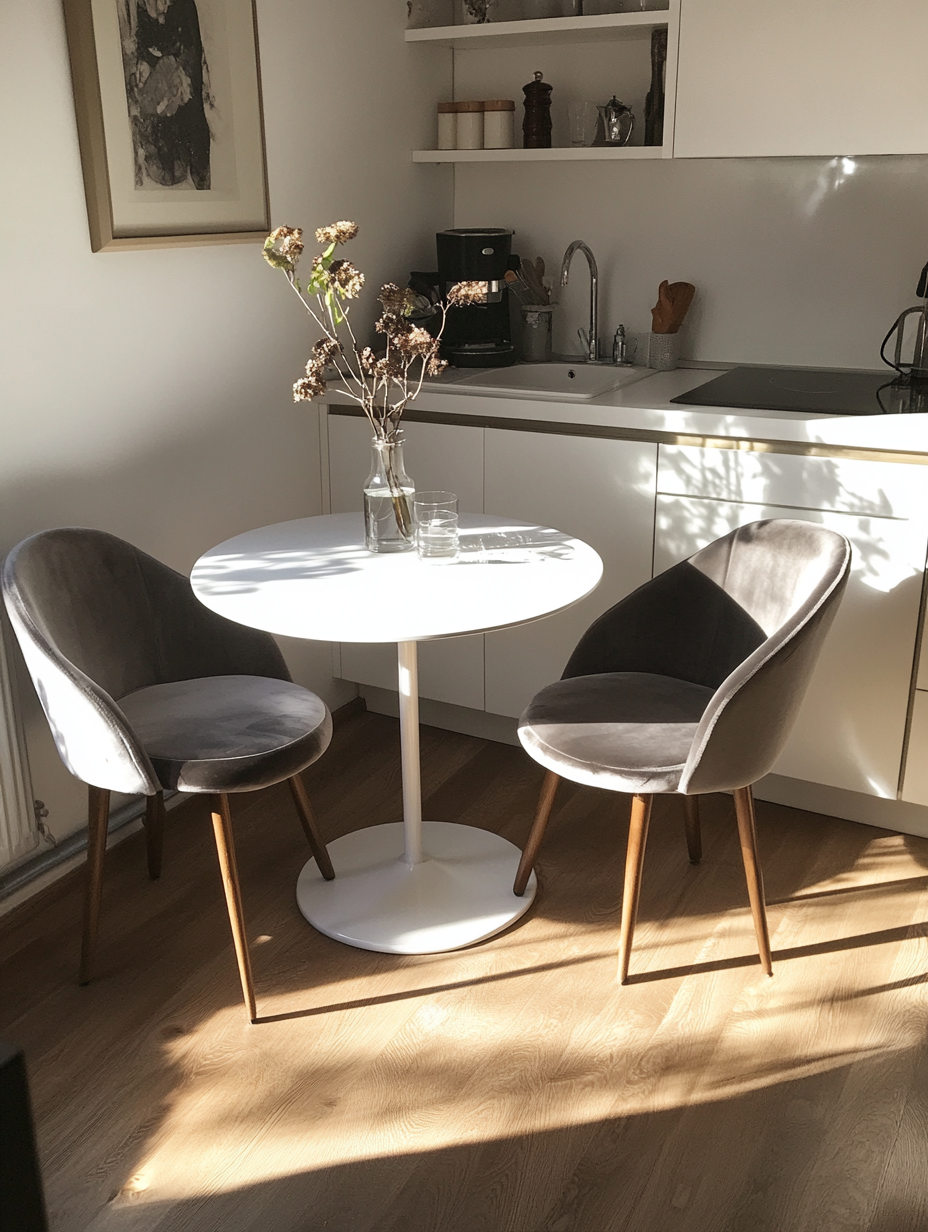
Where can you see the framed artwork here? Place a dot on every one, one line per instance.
(168, 101)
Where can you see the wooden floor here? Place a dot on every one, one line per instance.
(511, 1087)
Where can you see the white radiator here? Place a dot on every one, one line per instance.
(18, 830)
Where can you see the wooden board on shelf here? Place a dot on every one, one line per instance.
(547, 30)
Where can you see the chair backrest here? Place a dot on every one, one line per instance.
(787, 577)
(744, 616)
(97, 619)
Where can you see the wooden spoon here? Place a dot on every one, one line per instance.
(662, 311)
(681, 296)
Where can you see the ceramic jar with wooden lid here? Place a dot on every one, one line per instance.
(498, 123)
(469, 125)
(447, 126)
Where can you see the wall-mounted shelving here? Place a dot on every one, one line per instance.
(539, 33)
(565, 154)
(484, 75)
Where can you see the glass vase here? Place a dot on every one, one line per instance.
(388, 492)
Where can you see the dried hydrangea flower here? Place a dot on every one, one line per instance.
(396, 299)
(416, 341)
(347, 277)
(390, 369)
(327, 349)
(367, 359)
(436, 366)
(308, 387)
(337, 233)
(392, 325)
(468, 293)
(283, 247)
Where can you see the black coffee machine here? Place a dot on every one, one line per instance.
(477, 335)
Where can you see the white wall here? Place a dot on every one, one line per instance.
(148, 393)
(796, 261)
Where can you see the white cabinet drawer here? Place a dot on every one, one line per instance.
(915, 786)
(841, 485)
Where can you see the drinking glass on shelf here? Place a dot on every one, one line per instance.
(436, 519)
(582, 118)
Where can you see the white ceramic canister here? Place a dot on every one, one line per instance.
(469, 125)
(447, 126)
(498, 123)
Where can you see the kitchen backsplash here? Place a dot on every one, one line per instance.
(796, 260)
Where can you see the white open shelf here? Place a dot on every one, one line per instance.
(555, 154)
(548, 30)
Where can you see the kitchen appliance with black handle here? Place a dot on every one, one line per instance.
(915, 369)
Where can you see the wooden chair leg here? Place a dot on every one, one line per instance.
(225, 849)
(537, 832)
(634, 863)
(310, 829)
(693, 831)
(98, 816)
(154, 833)
(747, 832)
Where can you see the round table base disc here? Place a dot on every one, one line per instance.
(460, 894)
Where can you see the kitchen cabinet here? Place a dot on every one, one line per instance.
(832, 77)
(601, 491)
(851, 728)
(585, 58)
(438, 457)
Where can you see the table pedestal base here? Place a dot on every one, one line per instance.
(461, 892)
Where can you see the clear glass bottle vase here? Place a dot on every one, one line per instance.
(388, 493)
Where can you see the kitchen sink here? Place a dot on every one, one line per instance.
(570, 382)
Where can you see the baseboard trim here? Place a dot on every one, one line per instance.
(479, 723)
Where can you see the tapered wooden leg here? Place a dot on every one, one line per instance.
(154, 833)
(693, 831)
(310, 829)
(537, 832)
(747, 832)
(98, 816)
(225, 849)
(634, 863)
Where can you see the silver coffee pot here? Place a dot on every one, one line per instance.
(617, 122)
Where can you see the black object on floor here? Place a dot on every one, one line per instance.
(22, 1206)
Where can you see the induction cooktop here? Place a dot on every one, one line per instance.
(823, 390)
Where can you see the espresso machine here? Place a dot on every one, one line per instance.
(477, 335)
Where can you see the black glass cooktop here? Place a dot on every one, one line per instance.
(822, 390)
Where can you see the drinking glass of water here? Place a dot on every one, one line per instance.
(436, 517)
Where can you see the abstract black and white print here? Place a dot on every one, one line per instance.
(167, 93)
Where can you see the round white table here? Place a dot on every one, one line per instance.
(413, 887)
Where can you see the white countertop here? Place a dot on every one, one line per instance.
(645, 406)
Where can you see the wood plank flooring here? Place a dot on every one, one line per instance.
(510, 1087)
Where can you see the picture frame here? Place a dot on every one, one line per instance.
(167, 95)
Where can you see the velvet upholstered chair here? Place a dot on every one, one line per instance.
(146, 690)
(691, 685)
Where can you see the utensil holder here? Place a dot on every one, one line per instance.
(536, 333)
(663, 351)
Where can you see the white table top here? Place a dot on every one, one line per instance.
(313, 578)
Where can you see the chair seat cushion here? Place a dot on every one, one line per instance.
(228, 733)
(628, 731)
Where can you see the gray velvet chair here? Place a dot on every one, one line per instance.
(691, 685)
(147, 690)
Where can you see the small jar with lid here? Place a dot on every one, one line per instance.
(469, 119)
(447, 126)
(498, 123)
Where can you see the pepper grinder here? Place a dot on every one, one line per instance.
(536, 127)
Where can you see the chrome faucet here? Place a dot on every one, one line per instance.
(592, 341)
